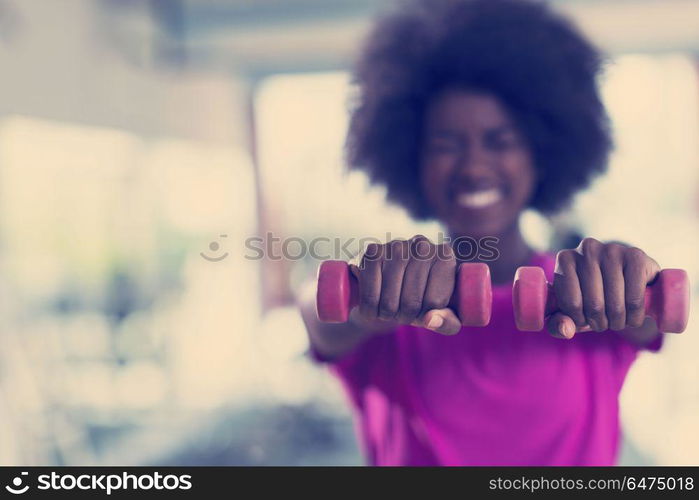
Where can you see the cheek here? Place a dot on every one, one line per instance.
(434, 174)
(523, 177)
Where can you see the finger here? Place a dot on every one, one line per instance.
(612, 267)
(369, 281)
(395, 261)
(440, 282)
(442, 321)
(561, 326)
(566, 287)
(592, 289)
(356, 261)
(652, 271)
(639, 270)
(415, 280)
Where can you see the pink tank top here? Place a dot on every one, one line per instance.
(488, 396)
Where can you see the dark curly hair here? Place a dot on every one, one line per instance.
(532, 59)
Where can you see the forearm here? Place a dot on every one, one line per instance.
(333, 340)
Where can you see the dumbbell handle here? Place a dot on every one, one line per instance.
(666, 300)
(338, 293)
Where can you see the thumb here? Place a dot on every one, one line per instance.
(442, 321)
(563, 327)
(560, 326)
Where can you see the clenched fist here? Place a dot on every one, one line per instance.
(409, 282)
(600, 286)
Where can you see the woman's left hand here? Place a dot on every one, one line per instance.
(600, 286)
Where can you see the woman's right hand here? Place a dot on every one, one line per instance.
(408, 282)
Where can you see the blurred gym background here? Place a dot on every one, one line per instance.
(142, 142)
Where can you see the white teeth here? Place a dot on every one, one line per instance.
(479, 199)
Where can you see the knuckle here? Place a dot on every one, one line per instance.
(634, 305)
(635, 321)
(450, 263)
(617, 324)
(370, 299)
(634, 255)
(410, 309)
(570, 305)
(601, 325)
(389, 267)
(566, 258)
(396, 250)
(419, 237)
(590, 249)
(615, 312)
(446, 253)
(423, 250)
(388, 309)
(613, 251)
(594, 310)
(373, 251)
(435, 303)
(589, 246)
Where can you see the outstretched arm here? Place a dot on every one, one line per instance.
(333, 340)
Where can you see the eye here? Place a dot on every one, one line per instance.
(503, 141)
(442, 145)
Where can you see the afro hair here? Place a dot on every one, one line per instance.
(532, 59)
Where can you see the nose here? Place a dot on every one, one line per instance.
(475, 161)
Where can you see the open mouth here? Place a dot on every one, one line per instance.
(479, 199)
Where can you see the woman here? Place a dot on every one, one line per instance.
(470, 112)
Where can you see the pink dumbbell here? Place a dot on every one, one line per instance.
(338, 293)
(666, 300)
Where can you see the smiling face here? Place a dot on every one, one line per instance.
(477, 172)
